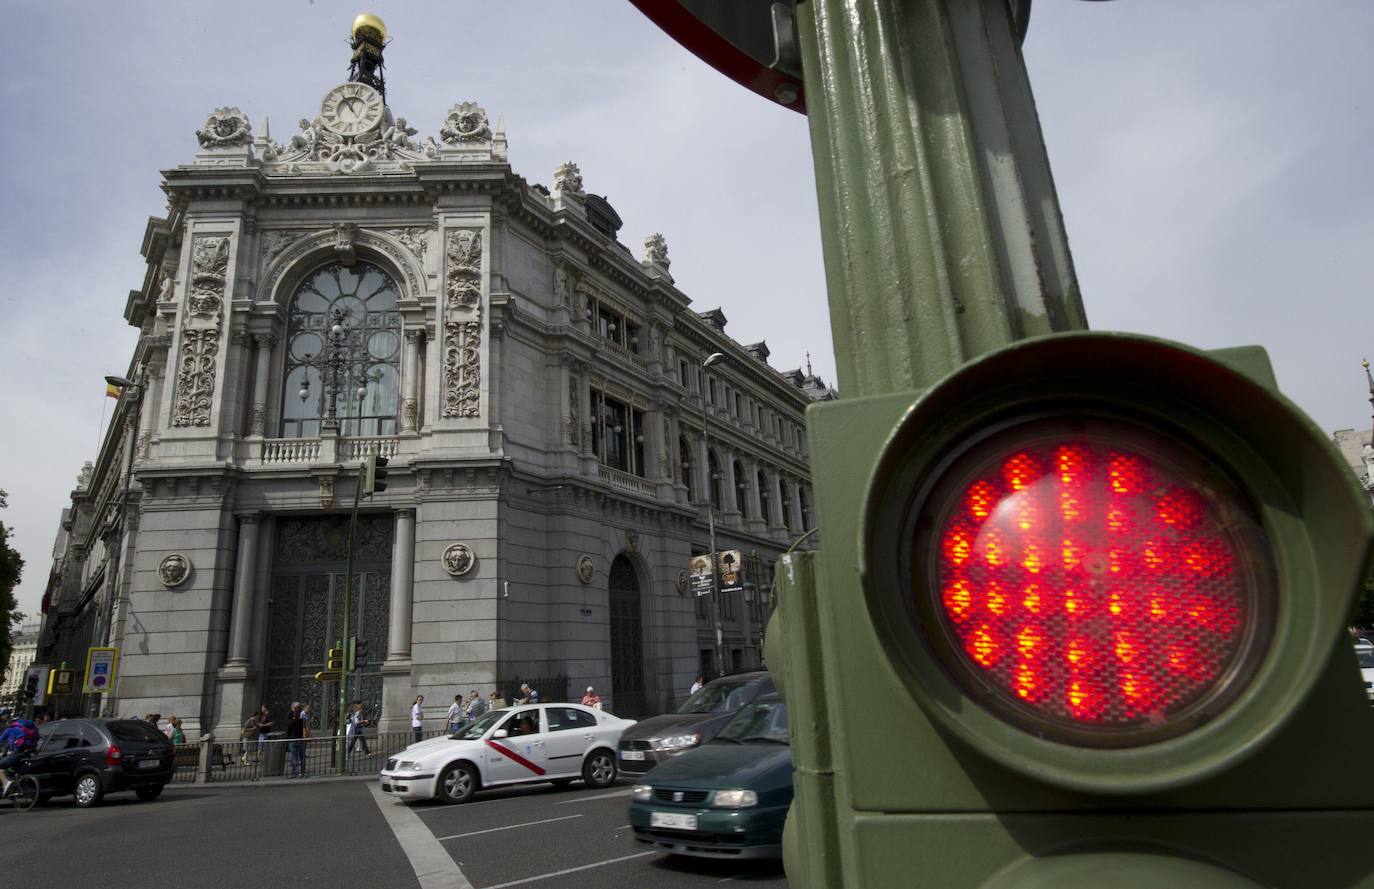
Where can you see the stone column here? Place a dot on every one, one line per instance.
(775, 494)
(241, 626)
(794, 490)
(257, 424)
(756, 522)
(410, 370)
(730, 495)
(402, 587)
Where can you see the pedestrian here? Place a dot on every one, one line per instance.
(696, 686)
(295, 742)
(175, 734)
(591, 699)
(356, 723)
(247, 735)
(417, 717)
(455, 715)
(265, 727)
(306, 718)
(476, 706)
(495, 701)
(529, 695)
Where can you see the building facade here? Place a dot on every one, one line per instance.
(23, 652)
(538, 390)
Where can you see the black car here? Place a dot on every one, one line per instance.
(88, 758)
(652, 741)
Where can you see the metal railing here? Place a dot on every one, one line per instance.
(277, 757)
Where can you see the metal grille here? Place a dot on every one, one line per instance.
(663, 794)
(627, 656)
(635, 745)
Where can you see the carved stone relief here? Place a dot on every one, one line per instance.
(586, 568)
(462, 324)
(173, 570)
(196, 365)
(567, 179)
(656, 250)
(416, 240)
(458, 559)
(465, 123)
(225, 128)
(275, 242)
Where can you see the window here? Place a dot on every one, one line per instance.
(711, 390)
(562, 719)
(617, 434)
(715, 480)
(763, 498)
(737, 404)
(362, 299)
(741, 489)
(522, 722)
(683, 380)
(805, 508)
(685, 456)
(786, 507)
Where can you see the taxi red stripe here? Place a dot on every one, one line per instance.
(515, 757)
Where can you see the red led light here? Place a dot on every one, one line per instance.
(1093, 583)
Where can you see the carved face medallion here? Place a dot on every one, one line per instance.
(351, 108)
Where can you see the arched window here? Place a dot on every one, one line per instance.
(361, 299)
(714, 466)
(742, 490)
(786, 507)
(685, 457)
(805, 507)
(763, 498)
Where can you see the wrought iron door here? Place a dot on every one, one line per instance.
(305, 614)
(627, 649)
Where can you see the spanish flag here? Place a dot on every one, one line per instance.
(111, 390)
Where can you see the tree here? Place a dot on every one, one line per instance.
(11, 567)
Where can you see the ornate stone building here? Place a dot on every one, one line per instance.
(537, 388)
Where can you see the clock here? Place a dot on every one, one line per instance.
(351, 109)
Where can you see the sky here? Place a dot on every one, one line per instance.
(1212, 160)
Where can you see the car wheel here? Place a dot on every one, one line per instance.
(457, 783)
(599, 769)
(88, 790)
(150, 792)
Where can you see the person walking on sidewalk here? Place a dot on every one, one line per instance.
(417, 717)
(455, 715)
(265, 727)
(356, 722)
(247, 736)
(475, 706)
(295, 741)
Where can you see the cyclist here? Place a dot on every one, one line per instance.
(19, 740)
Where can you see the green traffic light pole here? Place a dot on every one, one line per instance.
(340, 744)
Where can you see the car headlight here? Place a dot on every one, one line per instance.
(642, 792)
(677, 742)
(735, 799)
(406, 765)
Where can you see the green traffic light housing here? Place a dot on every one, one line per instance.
(374, 475)
(334, 660)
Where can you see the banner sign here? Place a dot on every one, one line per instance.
(701, 575)
(61, 681)
(100, 670)
(731, 571)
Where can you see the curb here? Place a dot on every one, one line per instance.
(271, 782)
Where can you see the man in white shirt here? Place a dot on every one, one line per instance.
(455, 714)
(696, 686)
(417, 717)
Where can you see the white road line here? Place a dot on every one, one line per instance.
(587, 799)
(433, 866)
(508, 827)
(571, 870)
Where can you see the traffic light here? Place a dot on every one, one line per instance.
(374, 475)
(30, 686)
(357, 653)
(334, 660)
(1090, 630)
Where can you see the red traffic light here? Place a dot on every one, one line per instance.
(1096, 583)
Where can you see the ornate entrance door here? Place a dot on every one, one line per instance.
(305, 616)
(627, 649)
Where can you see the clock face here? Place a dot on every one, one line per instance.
(351, 108)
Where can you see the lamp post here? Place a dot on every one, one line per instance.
(711, 360)
(338, 353)
(135, 390)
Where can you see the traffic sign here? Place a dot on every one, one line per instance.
(327, 676)
(100, 670)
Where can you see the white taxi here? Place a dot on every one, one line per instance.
(517, 745)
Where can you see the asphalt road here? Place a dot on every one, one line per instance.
(571, 838)
(308, 834)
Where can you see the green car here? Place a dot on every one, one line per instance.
(727, 798)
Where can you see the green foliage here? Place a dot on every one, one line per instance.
(11, 567)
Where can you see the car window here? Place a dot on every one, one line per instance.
(1365, 656)
(562, 719)
(480, 727)
(134, 730)
(91, 737)
(760, 722)
(522, 722)
(718, 697)
(66, 736)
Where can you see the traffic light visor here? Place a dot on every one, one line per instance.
(1092, 580)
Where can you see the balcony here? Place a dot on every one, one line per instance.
(306, 451)
(624, 481)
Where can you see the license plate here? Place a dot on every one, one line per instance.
(150, 764)
(672, 820)
(636, 755)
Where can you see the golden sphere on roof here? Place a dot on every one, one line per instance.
(369, 22)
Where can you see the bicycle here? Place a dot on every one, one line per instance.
(23, 792)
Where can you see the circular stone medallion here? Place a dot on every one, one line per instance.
(586, 568)
(458, 559)
(173, 569)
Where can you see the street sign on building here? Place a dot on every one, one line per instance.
(100, 670)
(61, 681)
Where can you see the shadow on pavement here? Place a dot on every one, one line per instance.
(740, 871)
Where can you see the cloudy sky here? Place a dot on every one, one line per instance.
(1214, 172)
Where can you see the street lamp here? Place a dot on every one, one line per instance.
(339, 351)
(713, 359)
(135, 390)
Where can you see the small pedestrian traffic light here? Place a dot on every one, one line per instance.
(31, 686)
(374, 475)
(334, 660)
